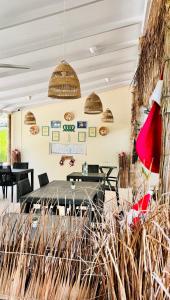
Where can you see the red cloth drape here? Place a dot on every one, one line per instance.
(148, 144)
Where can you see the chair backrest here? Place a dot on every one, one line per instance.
(8, 177)
(43, 179)
(93, 168)
(24, 187)
(20, 165)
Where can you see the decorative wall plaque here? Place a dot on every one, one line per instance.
(68, 116)
(34, 129)
(103, 130)
(69, 128)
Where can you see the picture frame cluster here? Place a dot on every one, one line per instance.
(57, 128)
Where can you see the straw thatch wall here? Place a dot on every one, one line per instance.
(155, 50)
(152, 46)
(69, 260)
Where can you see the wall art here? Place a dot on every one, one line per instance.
(81, 124)
(55, 136)
(55, 124)
(67, 157)
(45, 130)
(92, 132)
(68, 149)
(81, 136)
(70, 128)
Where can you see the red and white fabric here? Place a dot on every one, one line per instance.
(139, 209)
(148, 143)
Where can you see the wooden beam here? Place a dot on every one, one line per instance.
(55, 40)
(50, 12)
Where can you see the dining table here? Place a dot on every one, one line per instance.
(62, 193)
(17, 175)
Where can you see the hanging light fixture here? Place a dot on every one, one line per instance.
(107, 116)
(93, 104)
(64, 83)
(29, 119)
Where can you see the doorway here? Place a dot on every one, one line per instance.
(3, 137)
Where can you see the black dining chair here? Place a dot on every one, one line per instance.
(21, 165)
(112, 184)
(43, 179)
(2, 184)
(93, 168)
(9, 180)
(24, 188)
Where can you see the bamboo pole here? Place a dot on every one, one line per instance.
(164, 186)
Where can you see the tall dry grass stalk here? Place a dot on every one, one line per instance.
(67, 258)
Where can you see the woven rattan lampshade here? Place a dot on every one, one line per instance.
(64, 83)
(107, 116)
(93, 105)
(30, 119)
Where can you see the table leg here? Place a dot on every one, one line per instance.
(17, 179)
(32, 180)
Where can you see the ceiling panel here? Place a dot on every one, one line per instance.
(40, 33)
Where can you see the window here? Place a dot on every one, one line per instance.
(3, 137)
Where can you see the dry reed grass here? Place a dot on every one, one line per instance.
(67, 258)
(152, 51)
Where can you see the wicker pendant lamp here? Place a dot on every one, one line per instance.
(107, 116)
(93, 105)
(29, 119)
(64, 83)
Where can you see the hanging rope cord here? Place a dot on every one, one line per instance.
(64, 29)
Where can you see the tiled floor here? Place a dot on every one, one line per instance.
(6, 205)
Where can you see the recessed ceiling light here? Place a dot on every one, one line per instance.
(107, 79)
(93, 50)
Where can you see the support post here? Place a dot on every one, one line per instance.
(164, 185)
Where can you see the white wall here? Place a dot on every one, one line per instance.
(100, 150)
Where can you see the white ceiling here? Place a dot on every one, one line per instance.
(37, 33)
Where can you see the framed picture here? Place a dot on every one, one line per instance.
(81, 124)
(68, 128)
(56, 136)
(45, 130)
(55, 124)
(92, 132)
(81, 136)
